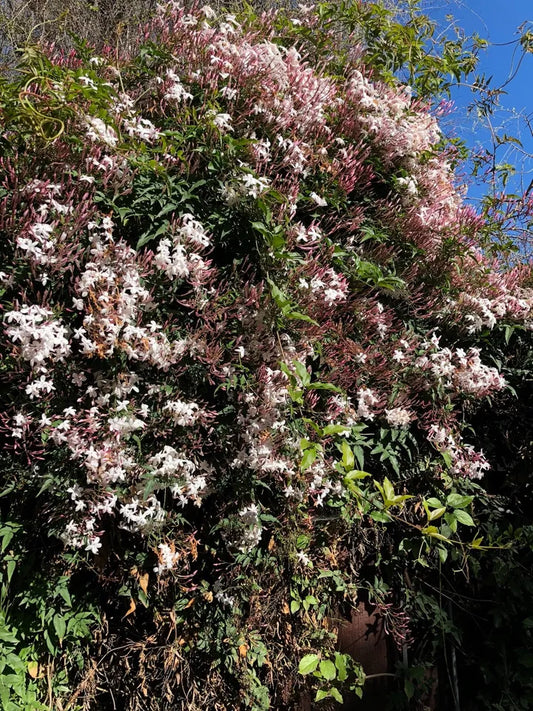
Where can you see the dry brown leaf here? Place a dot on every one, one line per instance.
(243, 650)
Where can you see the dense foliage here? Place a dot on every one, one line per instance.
(254, 358)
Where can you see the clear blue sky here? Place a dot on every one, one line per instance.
(497, 21)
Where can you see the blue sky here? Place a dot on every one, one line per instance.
(496, 21)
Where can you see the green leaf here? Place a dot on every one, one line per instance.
(464, 517)
(434, 503)
(456, 501)
(326, 386)
(335, 429)
(143, 598)
(388, 490)
(356, 474)
(359, 455)
(327, 669)
(308, 458)
(65, 595)
(11, 565)
(335, 694)
(348, 460)
(340, 663)
(297, 316)
(443, 554)
(60, 626)
(308, 664)
(433, 532)
(381, 516)
(51, 647)
(295, 606)
(302, 373)
(451, 520)
(447, 459)
(148, 236)
(436, 513)
(7, 490)
(7, 535)
(321, 694)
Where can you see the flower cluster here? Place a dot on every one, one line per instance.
(220, 311)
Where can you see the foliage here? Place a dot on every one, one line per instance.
(248, 325)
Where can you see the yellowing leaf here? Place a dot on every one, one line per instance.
(436, 513)
(34, 670)
(143, 583)
(132, 608)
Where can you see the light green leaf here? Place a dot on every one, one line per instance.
(347, 456)
(436, 513)
(327, 669)
(388, 490)
(308, 664)
(433, 532)
(336, 694)
(356, 474)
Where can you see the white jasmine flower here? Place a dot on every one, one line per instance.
(320, 201)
